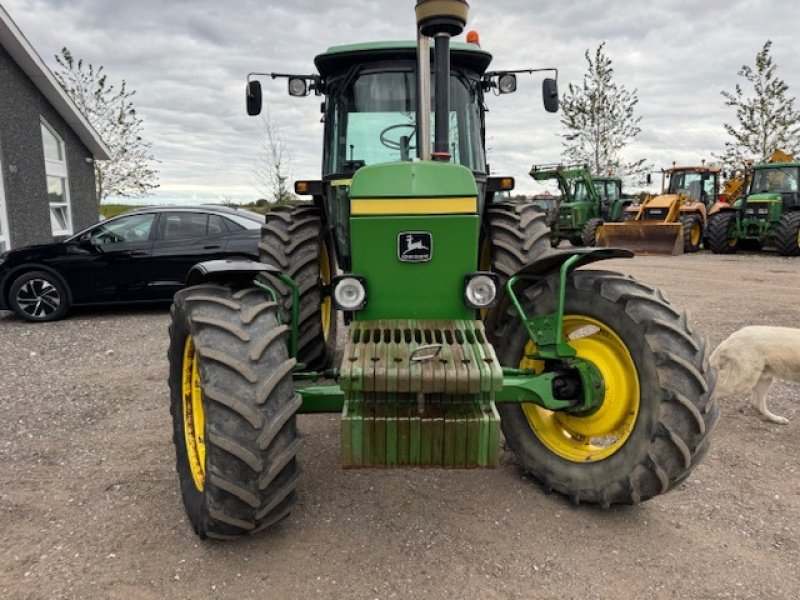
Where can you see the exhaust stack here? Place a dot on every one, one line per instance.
(439, 19)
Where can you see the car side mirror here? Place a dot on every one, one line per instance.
(550, 95)
(254, 101)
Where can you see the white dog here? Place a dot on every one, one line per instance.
(752, 358)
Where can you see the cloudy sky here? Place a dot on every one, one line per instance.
(188, 59)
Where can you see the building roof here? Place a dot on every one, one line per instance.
(20, 49)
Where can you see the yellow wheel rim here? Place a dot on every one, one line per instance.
(598, 233)
(325, 274)
(695, 234)
(194, 420)
(597, 436)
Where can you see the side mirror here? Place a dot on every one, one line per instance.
(253, 98)
(550, 95)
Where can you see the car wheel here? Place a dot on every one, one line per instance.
(38, 296)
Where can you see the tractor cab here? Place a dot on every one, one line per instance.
(779, 181)
(609, 189)
(700, 184)
(373, 116)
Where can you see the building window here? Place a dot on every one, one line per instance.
(55, 165)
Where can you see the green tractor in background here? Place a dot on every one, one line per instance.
(586, 203)
(462, 320)
(768, 214)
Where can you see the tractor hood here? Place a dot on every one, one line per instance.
(663, 201)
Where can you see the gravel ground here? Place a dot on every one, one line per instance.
(89, 502)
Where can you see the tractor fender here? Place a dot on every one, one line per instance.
(237, 273)
(551, 264)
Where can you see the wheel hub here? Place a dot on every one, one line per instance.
(592, 436)
(38, 298)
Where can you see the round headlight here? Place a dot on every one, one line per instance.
(349, 294)
(481, 291)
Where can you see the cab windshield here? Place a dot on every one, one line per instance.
(777, 180)
(374, 121)
(698, 186)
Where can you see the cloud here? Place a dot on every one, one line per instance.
(188, 61)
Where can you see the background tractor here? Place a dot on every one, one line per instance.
(672, 222)
(768, 214)
(586, 202)
(599, 385)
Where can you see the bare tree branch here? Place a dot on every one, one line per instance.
(129, 172)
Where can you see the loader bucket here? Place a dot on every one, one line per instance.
(643, 237)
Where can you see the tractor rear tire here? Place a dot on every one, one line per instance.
(591, 231)
(653, 427)
(294, 239)
(787, 238)
(720, 228)
(692, 232)
(233, 410)
(515, 236)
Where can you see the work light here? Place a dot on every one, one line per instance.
(349, 293)
(481, 290)
(507, 83)
(298, 86)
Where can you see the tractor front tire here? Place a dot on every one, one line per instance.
(720, 236)
(787, 238)
(654, 424)
(591, 231)
(233, 410)
(294, 239)
(692, 232)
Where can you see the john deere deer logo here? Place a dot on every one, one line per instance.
(414, 246)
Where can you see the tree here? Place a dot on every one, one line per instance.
(110, 112)
(599, 119)
(766, 119)
(273, 168)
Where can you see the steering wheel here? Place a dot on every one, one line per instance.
(395, 144)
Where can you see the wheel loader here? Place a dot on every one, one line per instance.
(769, 213)
(672, 222)
(463, 326)
(586, 203)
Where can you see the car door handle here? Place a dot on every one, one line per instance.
(212, 247)
(138, 253)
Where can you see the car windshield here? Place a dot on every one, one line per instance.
(778, 180)
(374, 121)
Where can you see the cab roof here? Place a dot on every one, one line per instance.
(339, 58)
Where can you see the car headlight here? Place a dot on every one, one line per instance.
(349, 292)
(480, 290)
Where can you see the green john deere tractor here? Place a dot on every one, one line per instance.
(462, 321)
(586, 203)
(768, 214)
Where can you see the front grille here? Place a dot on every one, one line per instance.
(755, 211)
(655, 214)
